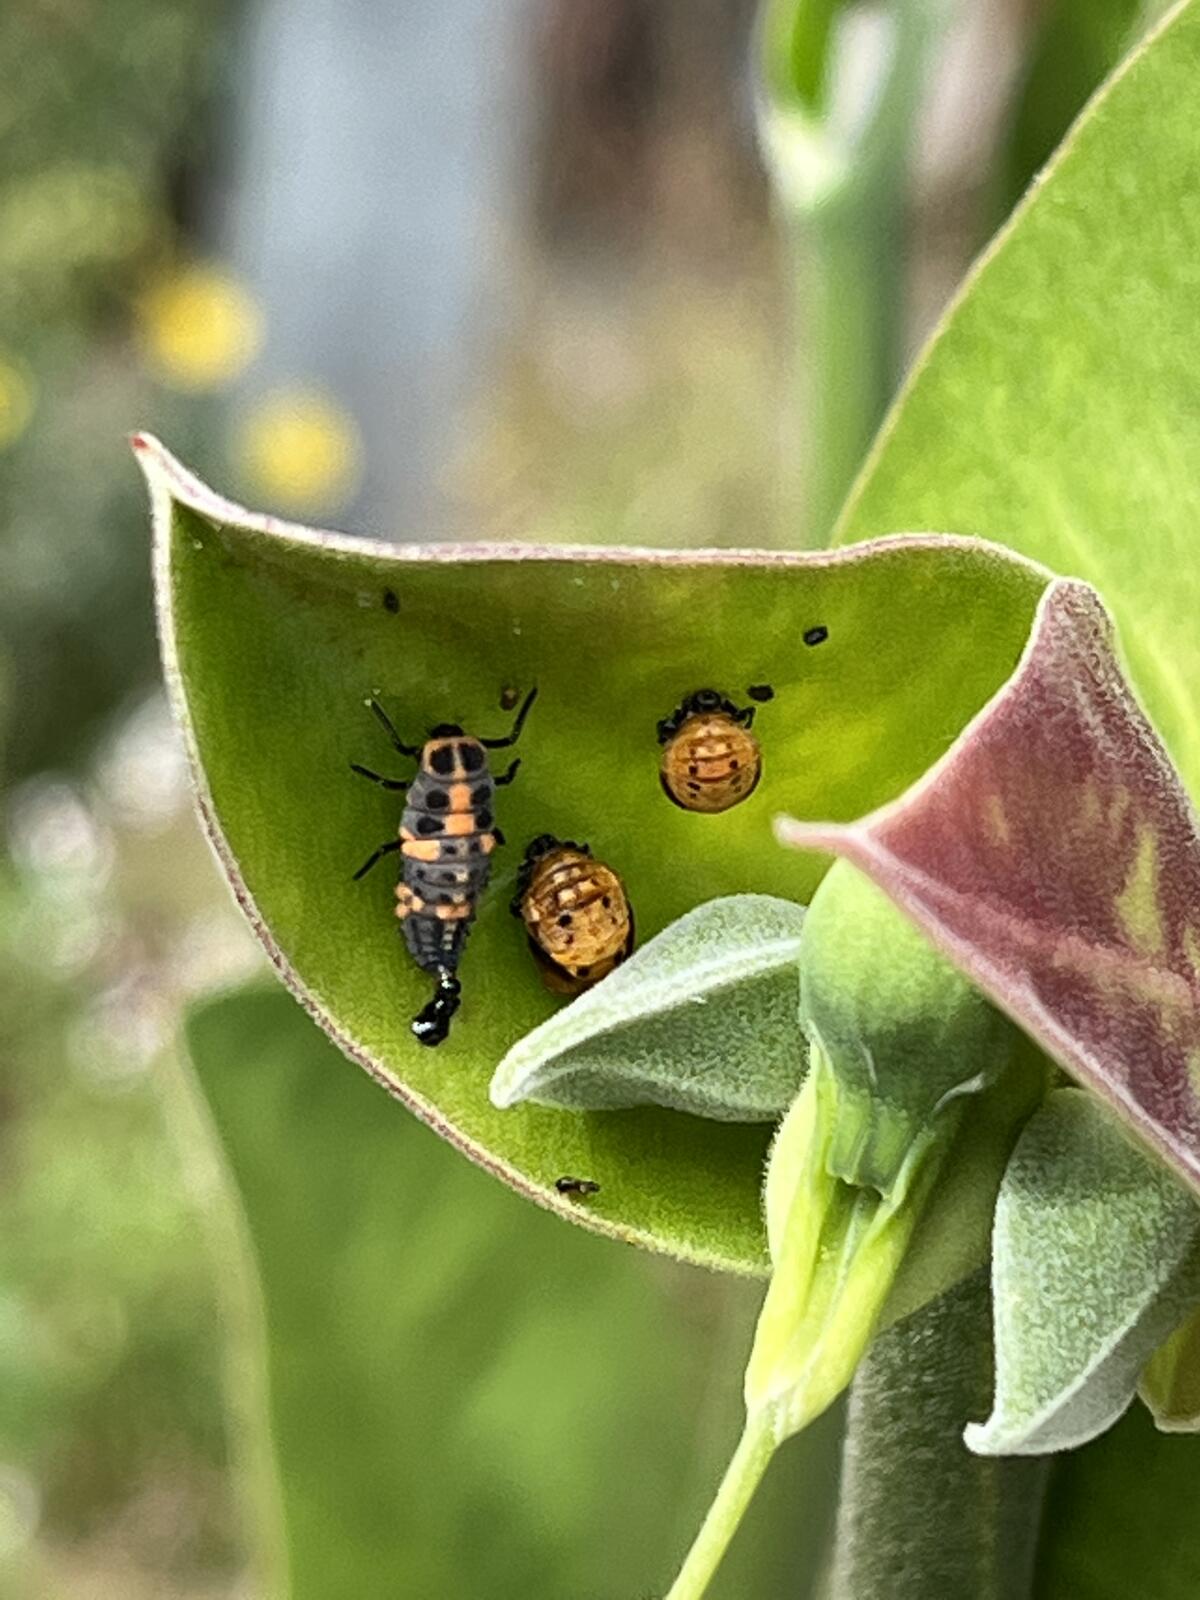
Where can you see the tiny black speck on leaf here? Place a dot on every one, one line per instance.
(391, 600)
(509, 697)
(569, 1185)
(762, 692)
(817, 635)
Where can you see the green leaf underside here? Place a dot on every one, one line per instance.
(1094, 1262)
(703, 1019)
(1055, 409)
(437, 1433)
(273, 637)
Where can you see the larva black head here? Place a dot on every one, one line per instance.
(446, 730)
(431, 1024)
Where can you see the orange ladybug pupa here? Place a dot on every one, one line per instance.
(711, 760)
(576, 914)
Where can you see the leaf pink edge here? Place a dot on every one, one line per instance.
(1053, 855)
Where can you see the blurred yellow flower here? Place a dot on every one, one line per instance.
(16, 401)
(300, 449)
(198, 327)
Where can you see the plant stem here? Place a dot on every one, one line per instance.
(742, 1476)
(920, 1518)
(837, 157)
(846, 263)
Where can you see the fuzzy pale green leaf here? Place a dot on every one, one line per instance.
(272, 637)
(1094, 1262)
(701, 1019)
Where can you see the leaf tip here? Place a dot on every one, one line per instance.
(830, 837)
(502, 1091)
(981, 1440)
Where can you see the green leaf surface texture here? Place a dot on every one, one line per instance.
(464, 1398)
(702, 1019)
(1094, 1262)
(273, 636)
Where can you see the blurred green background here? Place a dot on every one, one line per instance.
(495, 267)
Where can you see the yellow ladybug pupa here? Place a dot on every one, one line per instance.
(710, 759)
(576, 914)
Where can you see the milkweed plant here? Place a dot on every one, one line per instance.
(899, 906)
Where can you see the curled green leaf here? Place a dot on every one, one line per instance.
(704, 1019)
(1095, 1260)
(274, 635)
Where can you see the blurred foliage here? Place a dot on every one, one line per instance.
(466, 1397)
(300, 449)
(1120, 1518)
(113, 1458)
(644, 412)
(100, 137)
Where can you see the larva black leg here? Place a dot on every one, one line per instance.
(398, 784)
(384, 850)
(432, 1023)
(745, 717)
(507, 777)
(390, 729)
(498, 836)
(511, 738)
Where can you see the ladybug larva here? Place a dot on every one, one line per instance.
(447, 835)
(710, 760)
(575, 911)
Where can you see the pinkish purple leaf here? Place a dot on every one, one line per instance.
(1054, 856)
